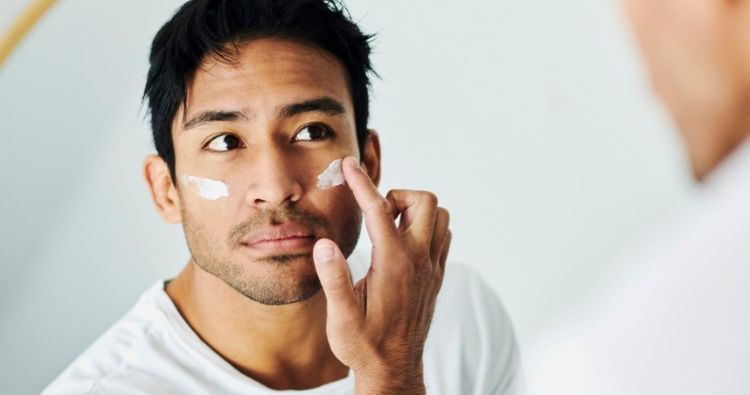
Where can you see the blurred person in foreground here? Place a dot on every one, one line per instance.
(250, 101)
(677, 319)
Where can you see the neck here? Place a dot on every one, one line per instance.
(282, 347)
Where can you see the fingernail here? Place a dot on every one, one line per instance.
(324, 253)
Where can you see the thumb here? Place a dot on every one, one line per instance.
(336, 281)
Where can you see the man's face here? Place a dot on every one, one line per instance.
(692, 57)
(266, 125)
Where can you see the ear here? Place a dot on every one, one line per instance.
(371, 156)
(163, 192)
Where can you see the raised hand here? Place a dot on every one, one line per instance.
(378, 326)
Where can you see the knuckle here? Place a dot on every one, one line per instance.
(422, 259)
(389, 209)
(439, 279)
(430, 198)
(381, 206)
(442, 211)
(425, 270)
(386, 207)
(347, 324)
(337, 283)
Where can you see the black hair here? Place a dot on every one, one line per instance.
(216, 27)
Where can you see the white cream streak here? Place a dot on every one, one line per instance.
(208, 188)
(331, 176)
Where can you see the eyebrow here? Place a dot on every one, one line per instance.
(213, 116)
(326, 105)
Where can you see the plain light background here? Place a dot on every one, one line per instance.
(531, 120)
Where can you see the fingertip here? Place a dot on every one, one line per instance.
(322, 241)
(352, 172)
(323, 251)
(351, 162)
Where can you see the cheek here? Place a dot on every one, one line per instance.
(206, 188)
(200, 230)
(681, 45)
(204, 210)
(670, 27)
(342, 212)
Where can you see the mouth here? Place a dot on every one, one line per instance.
(282, 244)
(283, 239)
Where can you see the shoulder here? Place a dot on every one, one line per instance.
(111, 354)
(125, 379)
(471, 323)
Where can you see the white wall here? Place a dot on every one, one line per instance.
(530, 119)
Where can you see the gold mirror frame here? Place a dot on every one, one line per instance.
(22, 25)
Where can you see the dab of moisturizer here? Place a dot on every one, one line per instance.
(332, 176)
(208, 188)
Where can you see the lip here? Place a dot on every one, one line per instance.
(284, 237)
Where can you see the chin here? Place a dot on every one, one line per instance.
(285, 258)
(278, 280)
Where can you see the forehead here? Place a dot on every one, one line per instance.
(265, 73)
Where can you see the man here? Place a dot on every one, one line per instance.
(676, 321)
(254, 104)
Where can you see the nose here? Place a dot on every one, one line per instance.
(273, 181)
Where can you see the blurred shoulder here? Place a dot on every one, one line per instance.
(111, 355)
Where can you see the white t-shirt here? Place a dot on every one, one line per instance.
(676, 318)
(470, 349)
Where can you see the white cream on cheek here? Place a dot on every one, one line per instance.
(332, 176)
(208, 188)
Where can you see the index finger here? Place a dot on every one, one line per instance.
(378, 211)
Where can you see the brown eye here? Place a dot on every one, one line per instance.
(312, 132)
(223, 142)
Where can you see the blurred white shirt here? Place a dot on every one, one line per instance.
(470, 349)
(676, 319)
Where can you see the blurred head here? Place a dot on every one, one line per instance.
(261, 96)
(698, 58)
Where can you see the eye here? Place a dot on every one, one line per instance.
(312, 132)
(223, 142)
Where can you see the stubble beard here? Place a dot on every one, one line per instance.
(284, 284)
